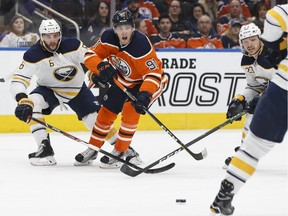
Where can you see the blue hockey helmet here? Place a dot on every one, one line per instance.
(123, 17)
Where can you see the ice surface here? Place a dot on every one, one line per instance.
(66, 190)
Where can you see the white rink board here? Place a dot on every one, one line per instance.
(199, 81)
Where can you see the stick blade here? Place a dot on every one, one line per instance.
(131, 172)
(201, 155)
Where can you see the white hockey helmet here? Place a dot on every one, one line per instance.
(49, 26)
(249, 30)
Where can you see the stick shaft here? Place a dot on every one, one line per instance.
(197, 156)
(128, 171)
(161, 169)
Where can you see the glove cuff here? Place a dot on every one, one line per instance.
(20, 96)
(239, 97)
(26, 101)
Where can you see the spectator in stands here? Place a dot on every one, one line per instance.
(203, 38)
(210, 7)
(197, 11)
(94, 26)
(147, 9)
(179, 25)
(260, 14)
(133, 6)
(163, 6)
(165, 39)
(223, 8)
(230, 39)
(18, 36)
(235, 13)
(141, 26)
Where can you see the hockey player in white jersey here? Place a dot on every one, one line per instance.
(258, 71)
(56, 62)
(269, 123)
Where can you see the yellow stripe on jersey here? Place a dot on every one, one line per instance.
(17, 78)
(283, 67)
(279, 18)
(242, 165)
(66, 93)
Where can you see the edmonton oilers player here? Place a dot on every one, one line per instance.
(137, 68)
(55, 61)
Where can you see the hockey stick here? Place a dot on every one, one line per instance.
(198, 156)
(151, 171)
(131, 172)
(7, 77)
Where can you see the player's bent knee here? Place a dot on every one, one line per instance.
(255, 147)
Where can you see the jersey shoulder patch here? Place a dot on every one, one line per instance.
(139, 45)
(68, 45)
(247, 60)
(263, 61)
(109, 36)
(36, 53)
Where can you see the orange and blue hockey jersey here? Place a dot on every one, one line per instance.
(136, 62)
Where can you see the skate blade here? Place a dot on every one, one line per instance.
(111, 166)
(87, 163)
(47, 161)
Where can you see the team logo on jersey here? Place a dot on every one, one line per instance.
(65, 73)
(122, 66)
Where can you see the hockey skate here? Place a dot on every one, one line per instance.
(44, 155)
(132, 156)
(111, 163)
(86, 158)
(222, 203)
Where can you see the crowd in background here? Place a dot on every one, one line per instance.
(209, 24)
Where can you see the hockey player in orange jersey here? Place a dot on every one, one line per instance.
(133, 61)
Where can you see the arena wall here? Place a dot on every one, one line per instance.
(201, 84)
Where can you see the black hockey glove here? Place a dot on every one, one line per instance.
(142, 102)
(237, 105)
(24, 109)
(107, 72)
(96, 80)
(252, 104)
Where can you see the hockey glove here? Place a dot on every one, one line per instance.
(237, 105)
(142, 102)
(24, 110)
(252, 104)
(106, 72)
(96, 80)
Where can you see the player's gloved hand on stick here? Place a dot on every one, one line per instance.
(106, 72)
(24, 110)
(96, 80)
(142, 102)
(252, 104)
(237, 105)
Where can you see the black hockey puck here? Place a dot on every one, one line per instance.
(180, 201)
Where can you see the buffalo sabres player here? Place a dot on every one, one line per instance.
(137, 68)
(55, 61)
(269, 123)
(258, 71)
